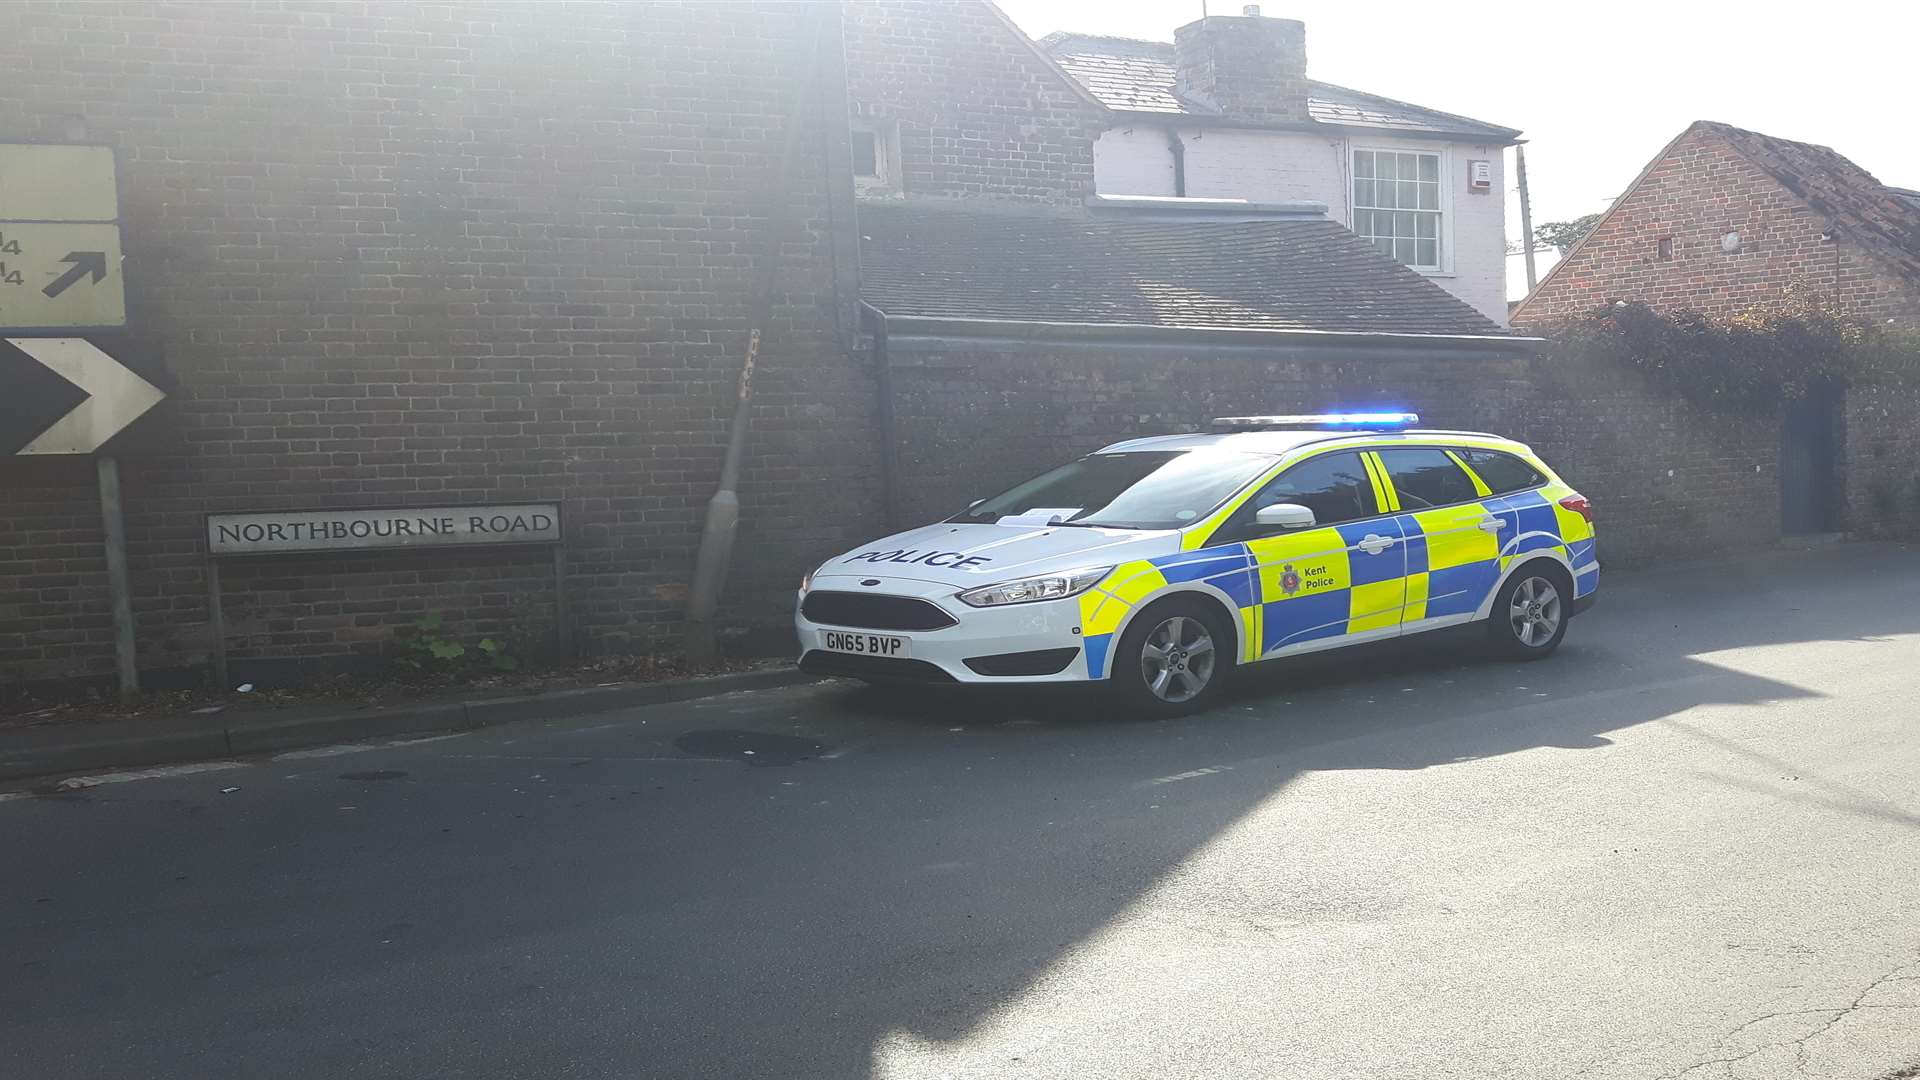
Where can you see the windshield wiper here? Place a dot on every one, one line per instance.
(1092, 525)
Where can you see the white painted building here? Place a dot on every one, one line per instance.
(1226, 111)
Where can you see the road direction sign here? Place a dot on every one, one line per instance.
(59, 239)
(61, 274)
(65, 396)
(46, 182)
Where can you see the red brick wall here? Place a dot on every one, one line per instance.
(979, 113)
(1701, 190)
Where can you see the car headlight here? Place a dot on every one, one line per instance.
(1027, 590)
(806, 582)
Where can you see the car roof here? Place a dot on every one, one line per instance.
(1281, 442)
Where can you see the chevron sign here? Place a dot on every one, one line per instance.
(66, 396)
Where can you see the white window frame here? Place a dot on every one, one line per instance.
(1444, 154)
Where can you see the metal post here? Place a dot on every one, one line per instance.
(723, 509)
(562, 630)
(119, 591)
(1526, 213)
(217, 627)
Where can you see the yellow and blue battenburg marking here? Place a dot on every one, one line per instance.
(1321, 583)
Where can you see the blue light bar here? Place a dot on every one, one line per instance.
(1322, 420)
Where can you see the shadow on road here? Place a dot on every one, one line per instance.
(921, 860)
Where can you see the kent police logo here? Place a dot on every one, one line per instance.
(1289, 580)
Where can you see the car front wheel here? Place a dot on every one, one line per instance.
(1173, 659)
(1530, 614)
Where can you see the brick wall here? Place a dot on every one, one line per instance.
(402, 254)
(54, 613)
(1699, 191)
(1883, 459)
(1666, 479)
(1250, 67)
(977, 111)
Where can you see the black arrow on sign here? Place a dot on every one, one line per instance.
(84, 263)
(32, 397)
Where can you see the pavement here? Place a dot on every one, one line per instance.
(1685, 846)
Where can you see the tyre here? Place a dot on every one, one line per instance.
(1173, 659)
(1530, 614)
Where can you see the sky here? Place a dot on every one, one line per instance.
(1597, 89)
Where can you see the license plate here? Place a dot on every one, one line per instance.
(850, 641)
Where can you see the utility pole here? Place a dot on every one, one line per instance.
(1526, 212)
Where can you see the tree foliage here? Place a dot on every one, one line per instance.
(1564, 234)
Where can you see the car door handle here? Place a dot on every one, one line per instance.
(1374, 544)
(1493, 525)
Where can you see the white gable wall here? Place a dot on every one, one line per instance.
(1238, 163)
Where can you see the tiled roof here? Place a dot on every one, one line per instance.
(1906, 195)
(1287, 273)
(1139, 76)
(1867, 212)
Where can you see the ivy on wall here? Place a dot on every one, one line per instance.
(1754, 362)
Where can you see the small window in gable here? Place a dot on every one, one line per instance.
(876, 157)
(866, 155)
(1666, 249)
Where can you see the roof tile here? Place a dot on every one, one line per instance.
(937, 261)
(1139, 76)
(1870, 214)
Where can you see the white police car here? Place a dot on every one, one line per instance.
(1159, 564)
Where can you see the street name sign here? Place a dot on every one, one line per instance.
(66, 396)
(59, 239)
(281, 533)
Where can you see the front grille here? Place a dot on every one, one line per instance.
(874, 611)
(1039, 662)
(878, 668)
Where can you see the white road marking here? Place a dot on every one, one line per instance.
(1191, 774)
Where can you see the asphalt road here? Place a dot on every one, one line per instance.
(1688, 845)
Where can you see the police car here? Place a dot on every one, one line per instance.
(1157, 565)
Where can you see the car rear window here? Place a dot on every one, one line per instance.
(1424, 478)
(1502, 472)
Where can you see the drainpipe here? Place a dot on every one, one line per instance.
(723, 509)
(889, 445)
(1179, 151)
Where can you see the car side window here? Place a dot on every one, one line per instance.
(1334, 486)
(1502, 472)
(1424, 478)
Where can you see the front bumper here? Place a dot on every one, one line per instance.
(982, 646)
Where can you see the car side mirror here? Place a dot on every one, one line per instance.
(1284, 516)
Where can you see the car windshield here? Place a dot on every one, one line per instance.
(1144, 490)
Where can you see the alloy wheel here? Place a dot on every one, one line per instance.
(1177, 659)
(1535, 614)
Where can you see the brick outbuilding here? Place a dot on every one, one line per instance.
(1724, 218)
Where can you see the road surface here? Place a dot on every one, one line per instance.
(1686, 846)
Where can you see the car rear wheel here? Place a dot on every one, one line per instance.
(1530, 614)
(1173, 659)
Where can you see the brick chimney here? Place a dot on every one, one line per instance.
(1248, 66)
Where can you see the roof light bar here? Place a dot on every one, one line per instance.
(1321, 420)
